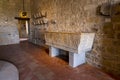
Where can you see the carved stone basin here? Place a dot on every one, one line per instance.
(76, 43)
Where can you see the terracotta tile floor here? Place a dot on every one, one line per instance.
(34, 63)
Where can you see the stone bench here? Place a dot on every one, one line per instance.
(76, 43)
(8, 71)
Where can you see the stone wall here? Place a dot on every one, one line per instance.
(8, 35)
(8, 10)
(84, 16)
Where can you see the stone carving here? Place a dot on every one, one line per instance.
(72, 42)
(76, 43)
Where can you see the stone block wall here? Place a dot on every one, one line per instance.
(37, 35)
(84, 16)
(8, 35)
(66, 41)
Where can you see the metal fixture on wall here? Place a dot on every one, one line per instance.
(106, 9)
(23, 14)
(40, 18)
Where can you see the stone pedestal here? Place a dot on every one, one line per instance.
(53, 51)
(76, 59)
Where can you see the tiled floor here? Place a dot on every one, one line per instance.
(34, 63)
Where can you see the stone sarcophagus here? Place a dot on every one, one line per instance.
(76, 43)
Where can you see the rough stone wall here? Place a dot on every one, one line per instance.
(83, 16)
(8, 35)
(106, 49)
(38, 30)
(8, 10)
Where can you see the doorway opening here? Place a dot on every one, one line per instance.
(23, 28)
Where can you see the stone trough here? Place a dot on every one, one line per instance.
(76, 43)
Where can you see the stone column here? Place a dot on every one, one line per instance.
(76, 59)
(53, 51)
